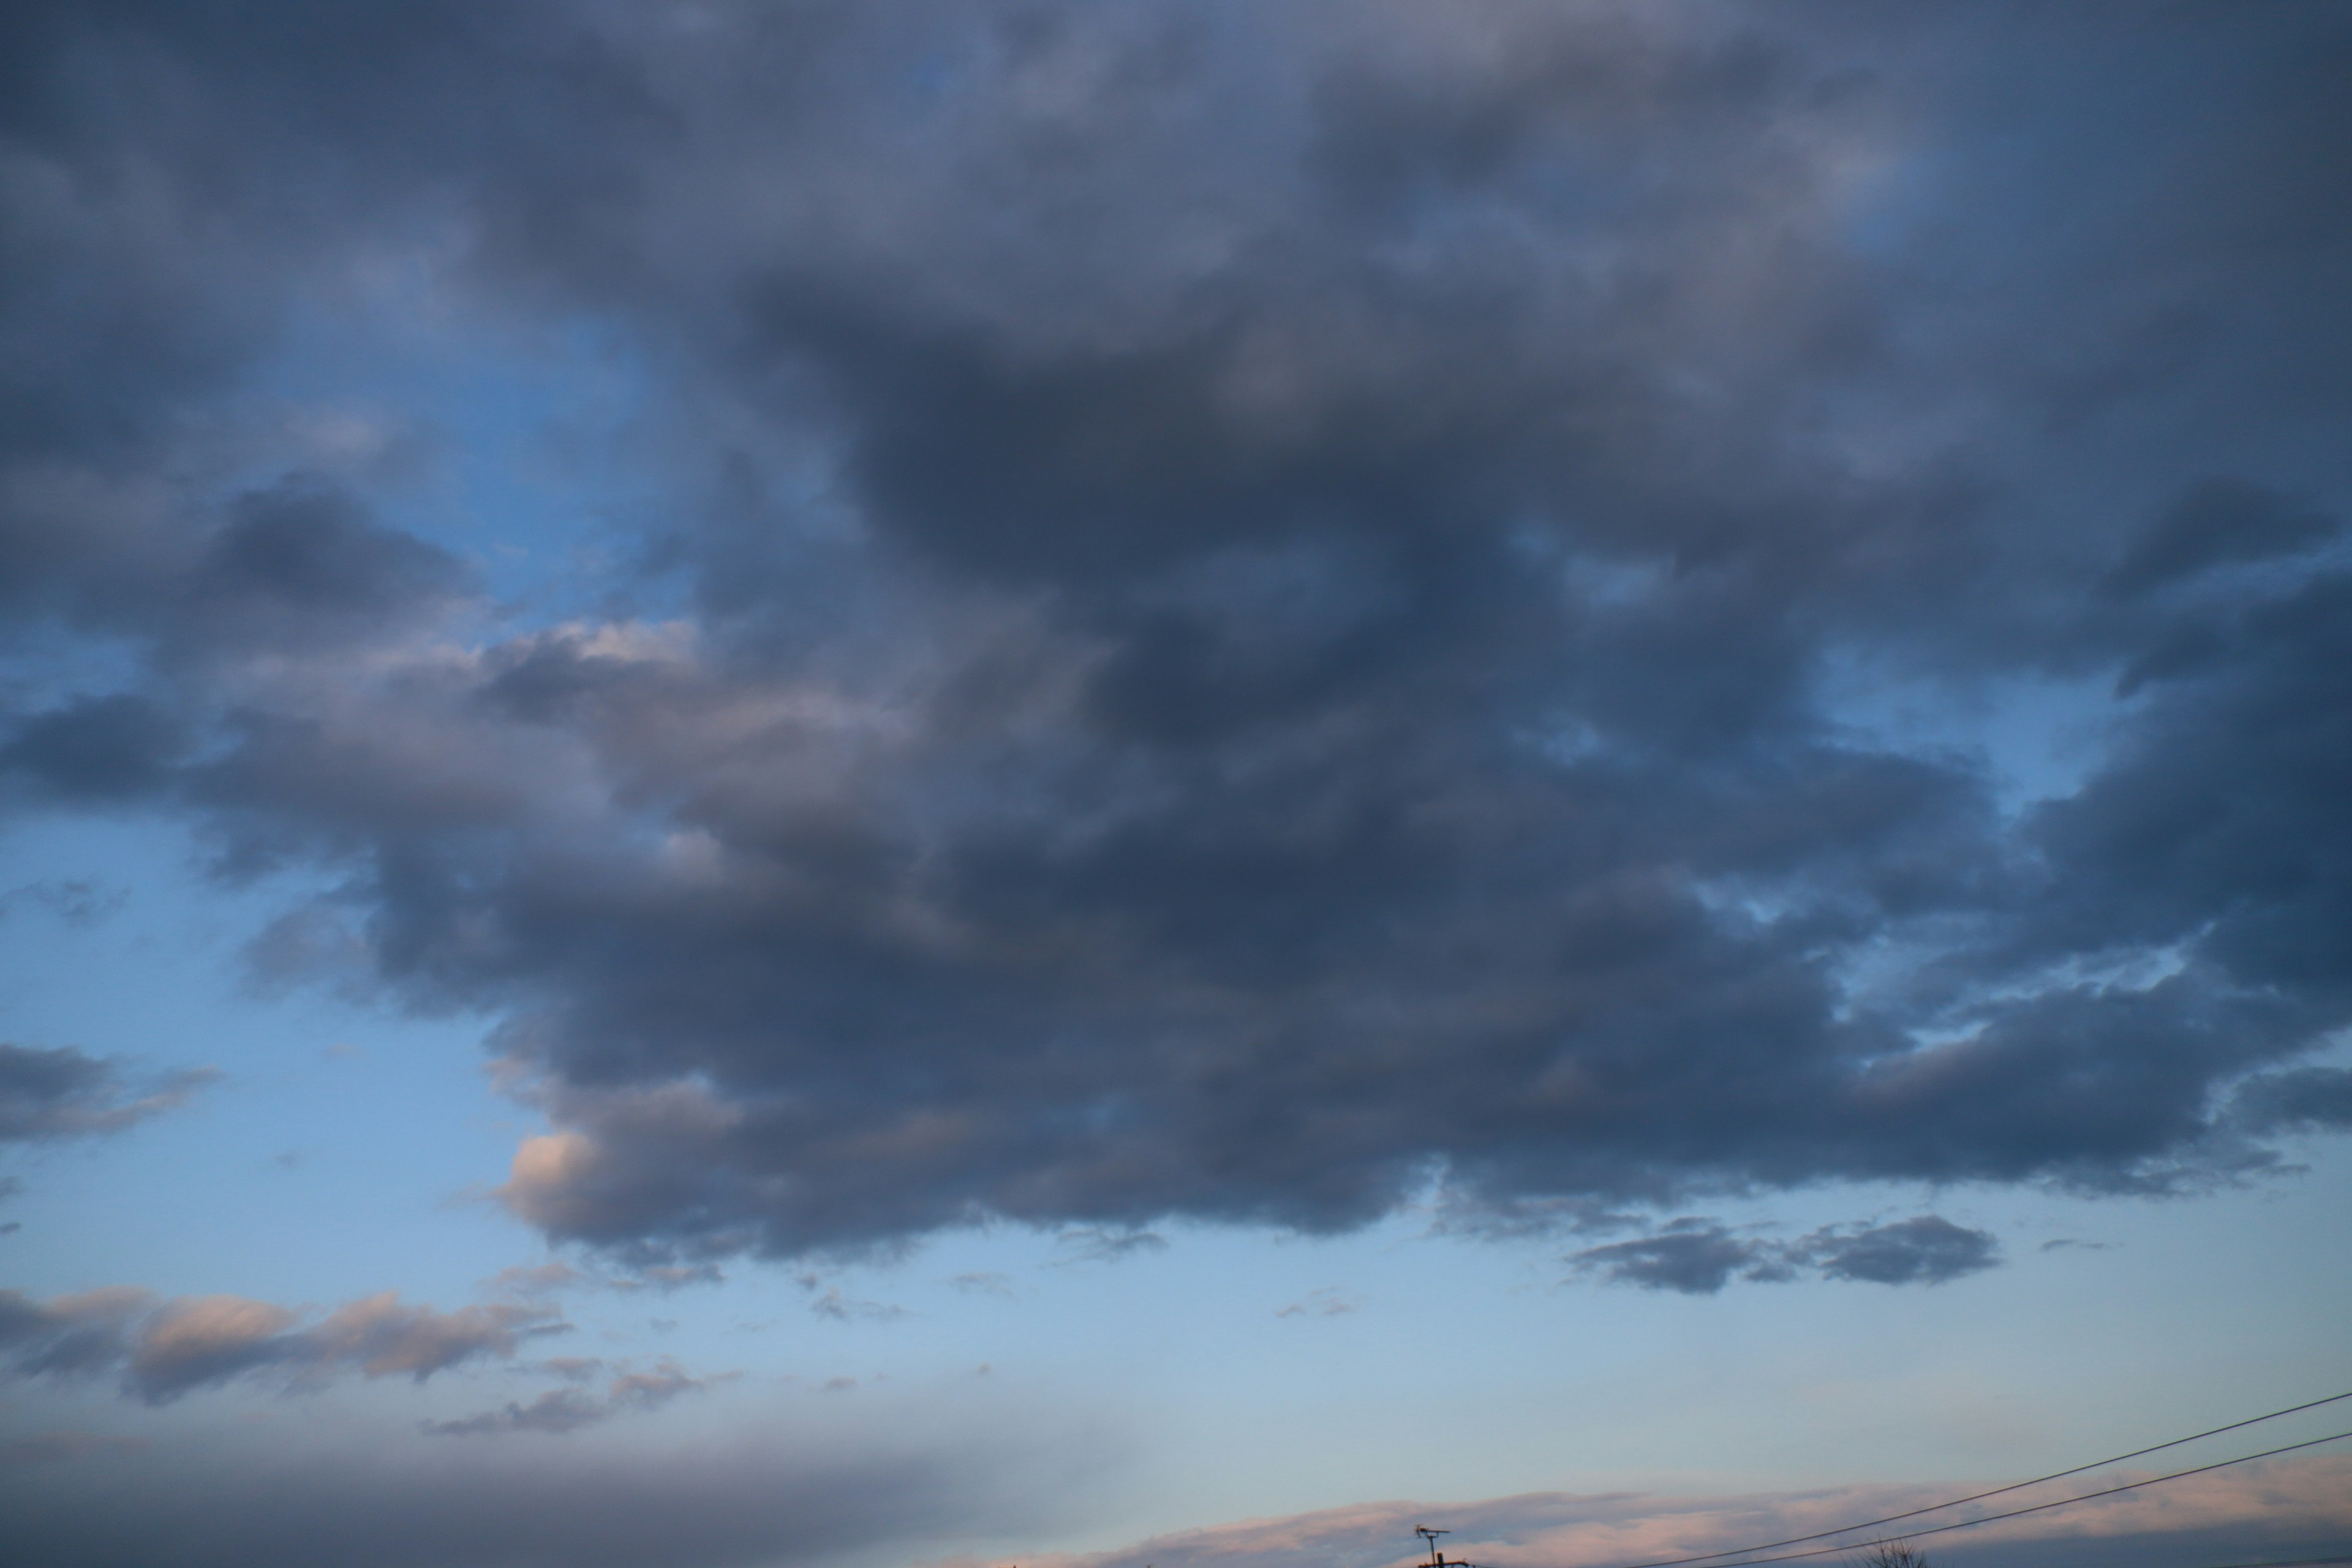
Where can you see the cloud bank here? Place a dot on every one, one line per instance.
(2279, 1508)
(751, 1496)
(1229, 612)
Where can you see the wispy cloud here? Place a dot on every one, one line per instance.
(78, 901)
(569, 1409)
(165, 1349)
(829, 1300)
(1104, 1244)
(60, 1092)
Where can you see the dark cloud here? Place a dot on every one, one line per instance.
(1928, 1250)
(301, 562)
(1247, 610)
(1692, 1256)
(1699, 1257)
(94, 750)
(2302, 1099)
(754, 1496)
(167, 1349)
(2218, 522)
(60, 1092)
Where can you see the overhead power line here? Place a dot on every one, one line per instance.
(2045, 1507)
(1997, 1491)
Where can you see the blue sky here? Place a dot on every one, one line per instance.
(805, 783)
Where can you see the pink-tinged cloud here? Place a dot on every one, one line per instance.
(382, 1337)
(2268, 1509)
(169, 1349)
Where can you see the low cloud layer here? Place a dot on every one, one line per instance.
(1231, 612)
(747, 1497)
(2278, 1509)
(164, 1349)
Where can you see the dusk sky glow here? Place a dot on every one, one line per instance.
(1096, 784)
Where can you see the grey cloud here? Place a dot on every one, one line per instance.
(70, 1335)
(293, 566)
(1699, 1257)
(2217, 522)
(569, 1409)
(557, 1411)
(2303, 1099)
(60, 1092)
(1256, 598)
(54, 1447)
(164, 1350)
(300, 561)
(1928, 1250)
(736, 1497)
(1693, 1257)
(96, 749)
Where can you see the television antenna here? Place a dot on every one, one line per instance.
(1437, 1558)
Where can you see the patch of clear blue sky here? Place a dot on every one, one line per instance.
(2037, 737)
(518, 450)
(331, 1159)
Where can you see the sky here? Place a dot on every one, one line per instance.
(798, 785)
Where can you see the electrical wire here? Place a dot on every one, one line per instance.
(2040, 1506)
(1997, 1491)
